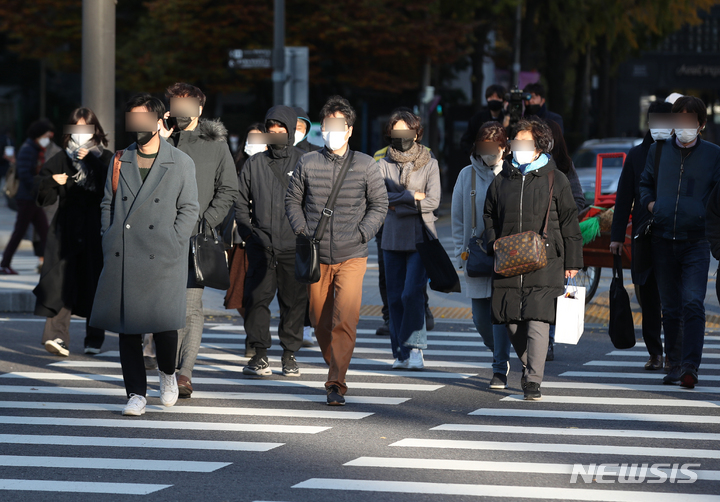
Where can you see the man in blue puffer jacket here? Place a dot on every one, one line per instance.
(689, 170)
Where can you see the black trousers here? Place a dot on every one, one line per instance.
(133, 364)
(267, 275)
(649, 299)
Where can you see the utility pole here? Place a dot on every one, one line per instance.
(98, 62)
(278, 75)
(515, 74)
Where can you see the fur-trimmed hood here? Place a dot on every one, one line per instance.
(212, 130)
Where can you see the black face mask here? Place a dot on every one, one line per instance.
(402, 144)
(277, 147)
(143, 138)
(183, 122)
(532, 109)
(494, 105)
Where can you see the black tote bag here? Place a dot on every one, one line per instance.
(209, 259)
(621, 327)
(437, 263)
(479, 264)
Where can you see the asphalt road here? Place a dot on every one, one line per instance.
(434, 435)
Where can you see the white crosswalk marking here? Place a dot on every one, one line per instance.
(621, 401)
(40, 485)
(641, 376)
(127, 464)
(644, 354)
(596, 415)
(630, 387)
(625, 364)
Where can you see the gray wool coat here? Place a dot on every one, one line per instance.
(145, 235)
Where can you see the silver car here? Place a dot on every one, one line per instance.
(585, 160)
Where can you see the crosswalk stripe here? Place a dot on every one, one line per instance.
(624, 364)
(585, 449)
(429, 363)
(645, 376)
(248, 382)
(360, 331)
(377, 340)
(305, 371)
(620, 401)
(266, 396)
(596, 415)
(164, 424)
(196, 410)
(491, 466)
(357, 350)
(556, 431)
(125, 442)
(499, 491)
(622, 387)
(41, 485)
(132, 464)
(643, 353)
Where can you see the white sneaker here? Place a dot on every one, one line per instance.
(135, 406)
(168, 389)
(416, 361)
(400, 365)
(308, 336)
(57, 346)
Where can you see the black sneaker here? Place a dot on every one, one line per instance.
(429, 319)
(383, 330)
(532, 391)
(551, 352)
(290, 366)
(258, 366)
(334, 398)
(673, 377)
(58, 347)
(499, 381)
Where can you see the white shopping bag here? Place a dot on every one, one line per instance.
(570, 314)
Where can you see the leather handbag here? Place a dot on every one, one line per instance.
(209, 259)
(437, 263)
(525, 252)
(479, 264)
(621, 327)
(307, 249)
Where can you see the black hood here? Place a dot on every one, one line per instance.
(286, 116)
(302, 115)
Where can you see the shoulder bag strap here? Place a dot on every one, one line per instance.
(116, 171)
(473, 193)
(278, 174)
(330, 206)
(551, 182)
(658, 155)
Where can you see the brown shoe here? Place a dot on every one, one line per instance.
(654, 363)
(184, 386)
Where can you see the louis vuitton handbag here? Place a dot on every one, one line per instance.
(524, 252)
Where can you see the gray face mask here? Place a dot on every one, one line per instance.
(490, 160)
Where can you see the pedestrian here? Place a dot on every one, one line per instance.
(361, 207)
(249, 149)
(270, 246)
(28, 162)
(564, 163)
(412, 181)
(627, 202)
(73, 257)
(535, 106)
(517, 201)
(302, 131)
(147, 219)
(491, 146)
(688, 171)
(495, 111)
(205, 142)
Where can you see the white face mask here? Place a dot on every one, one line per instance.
(252, 149)
(334, 140)
(524, 157)
(660, 134)
(298, 137)
(44, 142)
(686, 135)
(491, 160)
(81, 139)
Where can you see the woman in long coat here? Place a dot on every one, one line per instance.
(517, 201)
(73, 253)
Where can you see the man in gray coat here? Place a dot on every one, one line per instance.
(205, 141)
(360, 210)
(148, 212)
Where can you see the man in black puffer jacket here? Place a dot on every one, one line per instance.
(270, 246)
(360, 210)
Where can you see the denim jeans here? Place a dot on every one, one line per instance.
(405, 280)
(494, 336)
(681, 269)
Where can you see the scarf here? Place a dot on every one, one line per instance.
(536, 164)
(408, 162)
(83, 177)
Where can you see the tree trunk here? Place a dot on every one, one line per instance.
(478, 58)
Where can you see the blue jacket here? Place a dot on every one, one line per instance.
(27, 168)
(686, 177)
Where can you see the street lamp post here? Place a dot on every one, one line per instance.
(278, 74)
